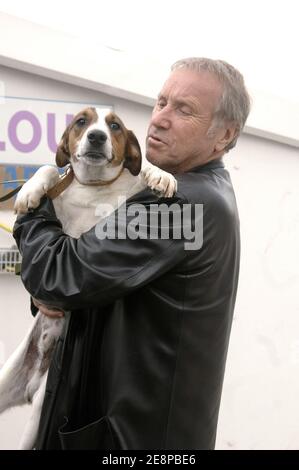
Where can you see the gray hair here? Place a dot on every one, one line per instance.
(234, 104)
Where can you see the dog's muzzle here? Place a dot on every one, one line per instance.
(95, 149)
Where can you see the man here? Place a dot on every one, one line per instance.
(143, 361)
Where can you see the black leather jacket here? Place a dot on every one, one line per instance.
(142, 363)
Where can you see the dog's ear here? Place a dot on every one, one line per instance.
(133, 154)
(62, 153)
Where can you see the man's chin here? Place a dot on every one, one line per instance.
(153, 158)
(158, 162)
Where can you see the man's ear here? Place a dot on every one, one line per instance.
(62, 153)
(226, 136)
(133, 154)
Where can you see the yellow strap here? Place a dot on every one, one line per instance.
(5, 227)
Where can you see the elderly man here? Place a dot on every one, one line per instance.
(142, 363)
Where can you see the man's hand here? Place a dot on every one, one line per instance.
(50, 312)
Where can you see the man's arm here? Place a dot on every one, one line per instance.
(69, 274)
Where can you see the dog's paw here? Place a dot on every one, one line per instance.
(28, 198)
(159, 181)
(33, 190)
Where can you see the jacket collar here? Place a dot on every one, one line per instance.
(208, 166)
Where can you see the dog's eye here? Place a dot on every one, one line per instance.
(114, 126)
(81, 122)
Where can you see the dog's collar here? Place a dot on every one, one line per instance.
(68, 176)
(102, 182)
(64, 181)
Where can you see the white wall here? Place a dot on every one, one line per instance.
(260, 399)
(259, 406)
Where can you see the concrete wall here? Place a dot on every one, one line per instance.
(259, 406)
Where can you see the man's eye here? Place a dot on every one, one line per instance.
(81, 122)
(185, 111)
(161, 104)
(114, 126)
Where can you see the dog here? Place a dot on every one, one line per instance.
(104, 161)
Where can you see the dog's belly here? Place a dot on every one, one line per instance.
(80, 207)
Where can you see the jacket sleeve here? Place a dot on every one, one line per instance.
(71, 273)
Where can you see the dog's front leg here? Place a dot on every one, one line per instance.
(158, 180)
(33, 190)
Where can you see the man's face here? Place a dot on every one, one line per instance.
(177, 137)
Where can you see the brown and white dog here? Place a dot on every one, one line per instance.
(105, 159)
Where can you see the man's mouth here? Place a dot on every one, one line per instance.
(152, 138)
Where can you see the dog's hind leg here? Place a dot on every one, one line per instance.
(30, 433)
(21, 375)
(51, 329)
(14, 373)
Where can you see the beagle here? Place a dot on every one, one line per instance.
(105, 163)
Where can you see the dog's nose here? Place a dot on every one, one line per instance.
(97, 137)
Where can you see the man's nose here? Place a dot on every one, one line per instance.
(161, 118)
